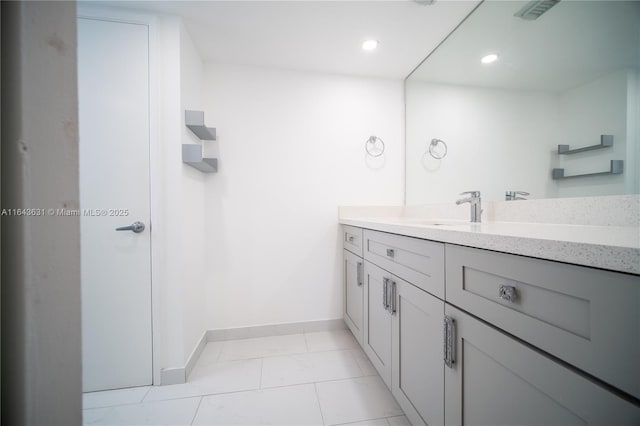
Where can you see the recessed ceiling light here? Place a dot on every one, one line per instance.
(492, 57)
(370, 45)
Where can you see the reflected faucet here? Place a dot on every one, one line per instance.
(515, 195)
(474, 201)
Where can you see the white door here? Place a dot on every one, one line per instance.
(113, 86)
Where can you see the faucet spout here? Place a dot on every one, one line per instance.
(475, 205)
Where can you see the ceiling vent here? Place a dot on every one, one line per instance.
(535, 9)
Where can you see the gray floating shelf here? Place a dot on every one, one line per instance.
(616, 168)
(192, 155)
(605, 142)
(194, 120)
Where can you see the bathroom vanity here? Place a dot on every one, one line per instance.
(477, 325)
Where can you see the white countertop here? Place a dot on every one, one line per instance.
(615, 248)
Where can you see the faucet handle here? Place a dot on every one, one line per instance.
(471, 193)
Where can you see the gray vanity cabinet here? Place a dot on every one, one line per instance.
(353, 270)
(496, 380)
(587, 317)
(377, 319)
(403, 320)
(526, 341)
(353, 294)
(417, 369)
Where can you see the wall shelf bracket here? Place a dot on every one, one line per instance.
(605, 142)
(192, 155)
(194, 120)
(616, 168)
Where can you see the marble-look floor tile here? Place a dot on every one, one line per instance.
(330, 340)
(354, 400)
(291, 405)
(221, 377)
(175, 412)
(363, 362)
(114, 397)
(263, 347)
(376, 422)
(399, 421)
(308, 368)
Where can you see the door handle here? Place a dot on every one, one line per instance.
(359, 274)
(385, 298)
(136, 227)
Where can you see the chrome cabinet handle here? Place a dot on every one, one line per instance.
(136, 227)
(351, 239)
(508, 293)
(392, 310)
(385, 281)
(359, 279)
(390, 253)
(449, 341)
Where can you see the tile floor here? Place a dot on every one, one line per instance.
(321, 378)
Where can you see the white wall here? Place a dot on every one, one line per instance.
(498, 140)
(586, 112)
(503, 140)
(291, 149)
(178, 194)
(192, 207)
(41, 351)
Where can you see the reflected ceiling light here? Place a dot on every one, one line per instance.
(370, 45)
(487, 59)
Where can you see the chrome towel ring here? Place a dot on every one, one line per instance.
(435, 152)
(374, 146)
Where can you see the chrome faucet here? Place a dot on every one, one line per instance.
(474, 201)
(515, 195)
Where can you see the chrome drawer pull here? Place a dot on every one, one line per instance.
(390, 253)
(392, 310)
(385, 282)
(507, 292)
(449, 341)
(351, 239)
(359, 274)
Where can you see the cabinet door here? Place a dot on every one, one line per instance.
(496, 380)
(418, 370)
(377, 321)
(353, 294)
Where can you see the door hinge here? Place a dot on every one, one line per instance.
(449, 341)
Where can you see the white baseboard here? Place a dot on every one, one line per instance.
(275, 330)
(174, 376)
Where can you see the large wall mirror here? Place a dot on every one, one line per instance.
(489, 107)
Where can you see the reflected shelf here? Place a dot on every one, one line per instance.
(616, 168)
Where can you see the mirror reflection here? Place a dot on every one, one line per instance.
(528, 100)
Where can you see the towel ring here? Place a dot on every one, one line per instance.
(370, 146)
(432, 149)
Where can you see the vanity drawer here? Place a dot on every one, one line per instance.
(418, 261)
(352, 239)
(587, 317)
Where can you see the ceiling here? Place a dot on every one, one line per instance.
(573, 43)
(323, 36)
